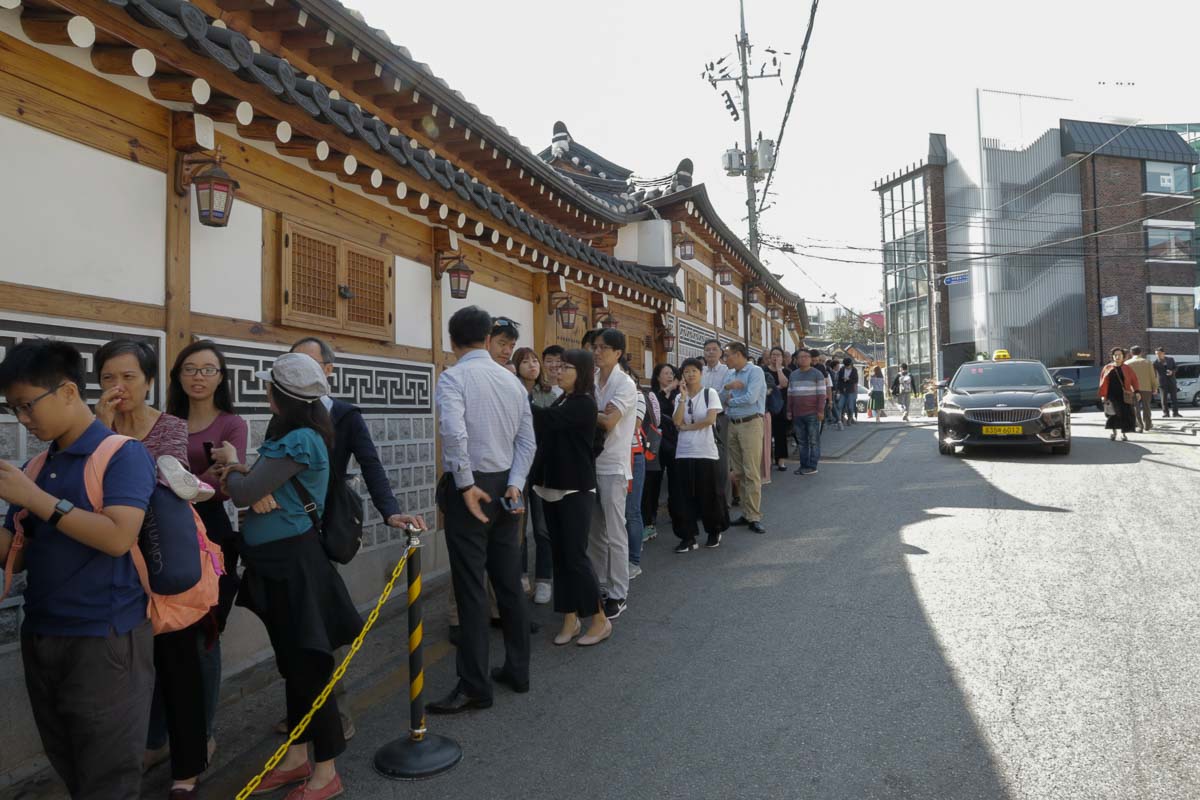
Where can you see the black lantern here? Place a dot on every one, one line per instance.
(460, 279)
(725, 276)
(607, 320)
(567, 314)
(773, 311)
(687, 249)
(752, 296)
(669, 340)
(215, 189)
(215, 193)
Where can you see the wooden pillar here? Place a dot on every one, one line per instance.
(543, 322)
(178, 300)
(438, 354)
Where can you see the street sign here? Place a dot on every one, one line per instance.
(1109, 306)
(957, 277)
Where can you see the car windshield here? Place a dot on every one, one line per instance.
(1006, 375)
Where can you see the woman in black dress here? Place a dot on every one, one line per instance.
(781, 427)
(665, 384)
(1116, 380)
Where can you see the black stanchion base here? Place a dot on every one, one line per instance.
(409, 760)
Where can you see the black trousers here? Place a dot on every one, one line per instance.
(91, 702)
(652, 488)
(1170, 400)
(480, 550)
(695, 496)
(305, 673)
(576, 589)
(535, 528)
(781, 429)
(177, 662)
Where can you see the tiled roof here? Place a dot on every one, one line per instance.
(232, 51)
(564, 147)
(1107, 139)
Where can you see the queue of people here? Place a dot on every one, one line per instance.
(117, 670)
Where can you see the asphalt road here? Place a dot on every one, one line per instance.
(1000, 625)
(995, 625)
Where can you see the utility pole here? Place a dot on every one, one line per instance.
(751, 192)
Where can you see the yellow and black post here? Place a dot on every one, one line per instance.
(420, 754)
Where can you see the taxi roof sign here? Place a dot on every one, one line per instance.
(1000, 355)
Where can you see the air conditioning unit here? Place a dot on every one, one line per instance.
(734, 162)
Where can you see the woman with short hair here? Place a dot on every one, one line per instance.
(1118, 387)
(695, 490)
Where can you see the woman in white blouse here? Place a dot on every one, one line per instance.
(694, 485)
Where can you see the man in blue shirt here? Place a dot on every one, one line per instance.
(86, 643)
(745, 401)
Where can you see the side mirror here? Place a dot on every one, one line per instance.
(943, 384)
(1064, 382)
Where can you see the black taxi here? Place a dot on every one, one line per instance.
(1007, 402)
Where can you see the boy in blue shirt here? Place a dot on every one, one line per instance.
(86, 642)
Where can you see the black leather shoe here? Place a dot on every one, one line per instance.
(757, 527)
(457, 702)
(501, 675)
(741, 521)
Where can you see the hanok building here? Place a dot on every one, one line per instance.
(372, 201)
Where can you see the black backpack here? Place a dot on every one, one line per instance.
(341, 527)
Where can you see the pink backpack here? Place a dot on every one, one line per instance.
(167, 613)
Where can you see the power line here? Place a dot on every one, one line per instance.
(812, 18)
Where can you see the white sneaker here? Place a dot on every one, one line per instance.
(541, 594)
(204, 492)
(182, 482)
(634, 570)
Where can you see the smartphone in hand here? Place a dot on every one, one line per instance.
(512, 506)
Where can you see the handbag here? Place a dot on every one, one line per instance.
(1109, 409)
(340, 528)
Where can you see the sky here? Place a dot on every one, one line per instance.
(624, 76)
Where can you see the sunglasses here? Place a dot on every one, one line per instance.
(505, 322)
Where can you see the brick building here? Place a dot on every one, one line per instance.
(1059, 248)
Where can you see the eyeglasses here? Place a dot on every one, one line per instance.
(208, 372)
(600, 347)
(26, 409)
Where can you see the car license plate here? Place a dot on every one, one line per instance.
(1002, 430)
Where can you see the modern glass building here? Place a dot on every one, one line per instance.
(904, 211)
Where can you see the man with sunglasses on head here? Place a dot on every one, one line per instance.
(503, 340)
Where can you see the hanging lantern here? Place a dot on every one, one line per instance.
(725, 276)
(773, 312)
(752, 296)
(460, 279)
(607, 320)
(215, 193)
(568, 312)
(687, 249)
(669, 340)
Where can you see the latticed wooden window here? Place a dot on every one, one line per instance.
(333, 284)
(756, 329)
(697, 297)
(729, 314)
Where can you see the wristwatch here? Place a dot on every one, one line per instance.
(61, 509)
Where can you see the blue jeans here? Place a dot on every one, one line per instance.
(633, 510)
(808, 432)
(849, 405)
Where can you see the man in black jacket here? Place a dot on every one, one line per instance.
(353, 438)
(1164, 365)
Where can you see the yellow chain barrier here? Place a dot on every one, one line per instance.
(337, 676)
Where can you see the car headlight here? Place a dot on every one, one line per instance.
(1054, 407)
(951, 408)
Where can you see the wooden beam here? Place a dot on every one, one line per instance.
(180, 89)
(118, 60)
(543, 313)
(52, 302)
(54, 27)
(191, 133)
(307, 39)
(178, 254)
(329, 56)
(279, 19)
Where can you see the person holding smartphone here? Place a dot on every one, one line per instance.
(487, 450)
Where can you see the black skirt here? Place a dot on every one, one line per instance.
(323, 617)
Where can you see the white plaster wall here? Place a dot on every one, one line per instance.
(497, 303)
(626, 248)
(413, 285)
(78, 219)
(712, 305)
(700, 268)
(681, 282)
(227, 265)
